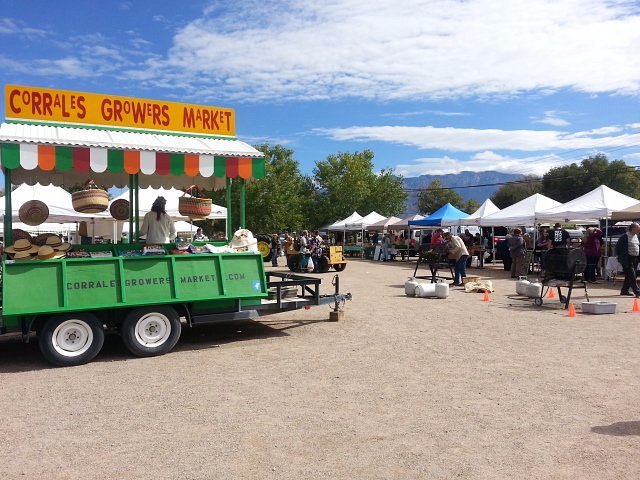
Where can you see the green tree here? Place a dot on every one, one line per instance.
(571, 181)
(469, 206)
(273, 203)
(345, 182)
(514, 192)
(435, 196)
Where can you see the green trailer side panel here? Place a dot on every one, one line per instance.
(66, 285)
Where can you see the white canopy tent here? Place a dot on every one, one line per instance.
(524, 212)
(340, 224)
(487, 208)
(599, 203)
(403, 223)
(384, 224)
(365, 221)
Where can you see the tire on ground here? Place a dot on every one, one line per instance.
(339, 266)
(70, 339)
(323, 264)
(151, 331)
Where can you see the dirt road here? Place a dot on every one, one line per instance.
(403, 388)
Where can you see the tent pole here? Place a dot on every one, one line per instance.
(8, 219)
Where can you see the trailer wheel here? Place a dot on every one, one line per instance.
(151, 331)
(293, 262)
(71, 339)
(323, 264)
(537, 301)
(339, 266)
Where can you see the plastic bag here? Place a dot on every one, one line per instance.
(310, 265)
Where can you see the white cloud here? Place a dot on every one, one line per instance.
(470, 139)
(484, 161)
(551, 118)
(9, 27)
(373, 49)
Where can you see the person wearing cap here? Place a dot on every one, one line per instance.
(157, 225)
(459, 252)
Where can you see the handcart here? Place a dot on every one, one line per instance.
(563, 268)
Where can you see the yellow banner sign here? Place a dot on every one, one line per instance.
(63, 106)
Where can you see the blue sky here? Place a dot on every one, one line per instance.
(431, 86)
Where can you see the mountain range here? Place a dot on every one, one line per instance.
(466, 184)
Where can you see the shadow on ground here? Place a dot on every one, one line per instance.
(619, 429)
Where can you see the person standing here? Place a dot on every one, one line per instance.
(628, 251)
(459, 252)
(517, 252)
(386, 247)
(157, 225)
(559, 236)
(200, 237)
(305, 254)
(591, 249)
(275, 249)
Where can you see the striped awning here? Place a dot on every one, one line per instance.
(61, 155)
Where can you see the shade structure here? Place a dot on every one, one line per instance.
(403, 223)
(340, 224)
(69, 156)
(445, 213)
(146, 197)
(487, 208)
(523, 212)
(600, 202)
(629, 213)
(365, 221)
(384, 223)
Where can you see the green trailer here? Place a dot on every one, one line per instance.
(71, 303)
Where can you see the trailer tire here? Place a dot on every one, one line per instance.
(323, 264)
(339, 266)
(151, 331)
(70, 339)
(293, 262)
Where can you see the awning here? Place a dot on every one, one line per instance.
(70, 156)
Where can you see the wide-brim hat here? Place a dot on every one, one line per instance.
(53, 241)
(33, 212)
(119, 209)
(21, 245)
(24, 256)
(64, 247)
(47, 253)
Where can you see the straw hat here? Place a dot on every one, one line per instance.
(23, 256)
(46, 253)
(33, 212)
(21, 245)
(56, 243)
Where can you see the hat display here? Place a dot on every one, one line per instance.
(23, 256)
(21, 245)
(33, 212)
(119, 209)
(46, 253)
(57, 244)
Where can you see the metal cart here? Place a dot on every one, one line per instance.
(563, 268)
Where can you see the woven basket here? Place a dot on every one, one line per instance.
(194, 207)
(119, 209)
(91, 200)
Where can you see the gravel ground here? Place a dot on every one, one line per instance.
(402, 388)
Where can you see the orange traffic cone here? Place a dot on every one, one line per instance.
(572, 310)
(551, 294)
(636, 307)
(485, 298)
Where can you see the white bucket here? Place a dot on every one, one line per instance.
(533, 290)
(521, 286)
(410, 286)
(426, 290)
(442, 290)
